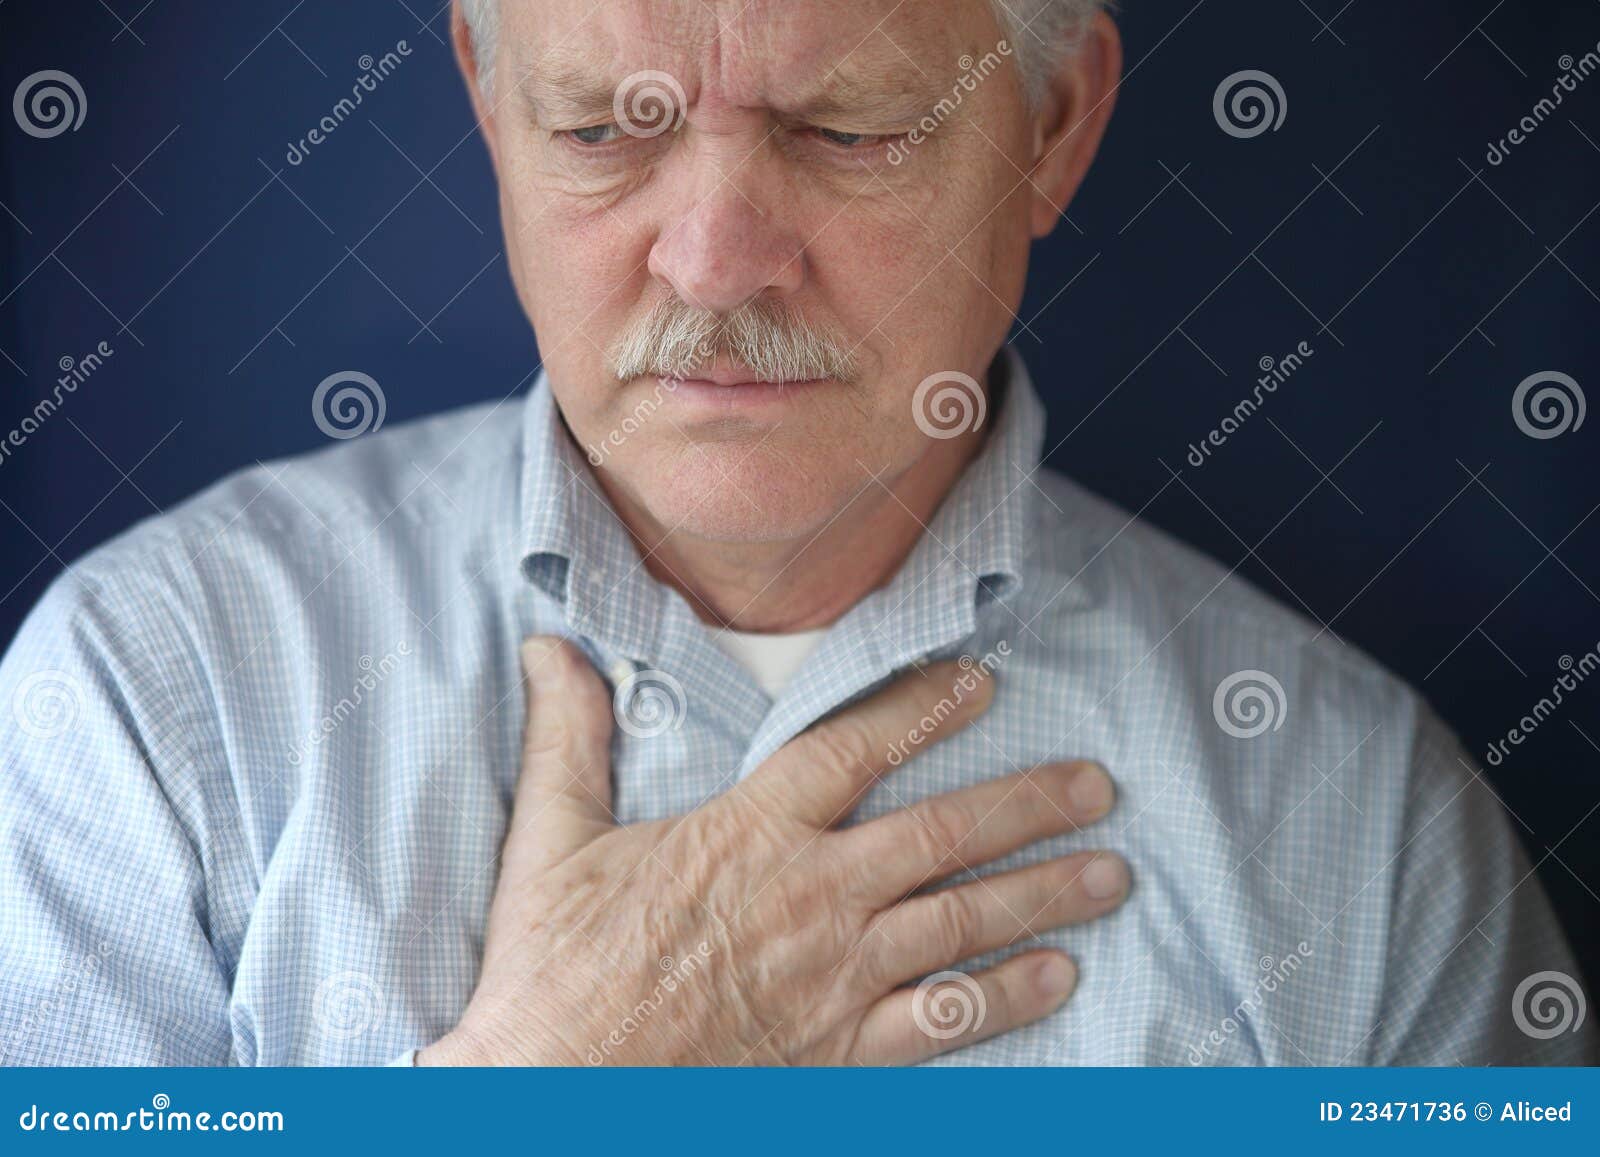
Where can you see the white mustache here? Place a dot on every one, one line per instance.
(765, 337)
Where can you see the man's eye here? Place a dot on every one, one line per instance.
(594, 134)
(847, 140)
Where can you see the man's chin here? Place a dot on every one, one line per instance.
(728, 518)
(741, 497)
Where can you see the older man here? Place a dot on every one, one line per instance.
(801, 627)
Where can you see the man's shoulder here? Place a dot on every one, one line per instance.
(270, 540)
(1186, 617)
(410, 480)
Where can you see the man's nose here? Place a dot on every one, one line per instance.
(726, 250)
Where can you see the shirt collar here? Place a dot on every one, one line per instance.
(577, 551)
(983, 524)
(574, 547)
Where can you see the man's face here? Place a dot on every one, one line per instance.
(765, 164)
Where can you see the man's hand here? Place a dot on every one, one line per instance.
(750, 931)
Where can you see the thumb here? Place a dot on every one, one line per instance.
(563, 798)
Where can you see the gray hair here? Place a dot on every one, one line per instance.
(1042, 33)
(773, 341)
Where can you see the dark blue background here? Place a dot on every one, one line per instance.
(1460, 552)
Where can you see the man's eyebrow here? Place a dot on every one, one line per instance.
(564, 89)
(896, 91)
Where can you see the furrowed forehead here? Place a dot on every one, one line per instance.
(891, 65)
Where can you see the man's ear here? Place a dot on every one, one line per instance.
(467, 61)
(1072, 119)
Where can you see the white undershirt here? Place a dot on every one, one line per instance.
(771, 660)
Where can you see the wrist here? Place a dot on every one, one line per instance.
(473, 1045)
(453, 1050)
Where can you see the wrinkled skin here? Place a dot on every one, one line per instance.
(802, 934)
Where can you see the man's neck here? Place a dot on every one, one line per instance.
(777, 587)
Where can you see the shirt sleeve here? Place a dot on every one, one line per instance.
(1477, 969)
(105, 953)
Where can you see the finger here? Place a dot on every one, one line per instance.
(935, 930)
(818, 776)
(942, 835)
(955, 1010)
(563, 798)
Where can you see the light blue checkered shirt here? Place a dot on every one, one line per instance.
(256, 757)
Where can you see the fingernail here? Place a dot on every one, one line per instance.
(1091, 791)
(541, 657)
(1057, 976)
(535, 647)
(969, 675)
(1104, 878)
